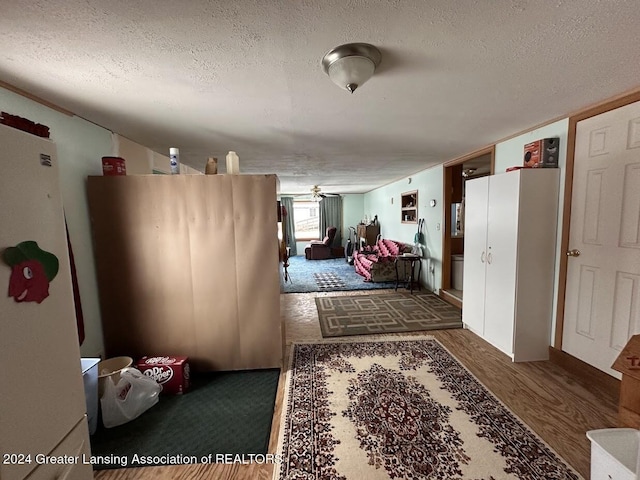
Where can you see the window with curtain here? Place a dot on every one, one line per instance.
(289, 224)
(307, 220)
(331, 216)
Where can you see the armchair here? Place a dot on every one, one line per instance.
(321, 249)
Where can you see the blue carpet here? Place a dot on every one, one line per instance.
(301, 273)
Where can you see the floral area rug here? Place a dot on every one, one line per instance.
(403, 409)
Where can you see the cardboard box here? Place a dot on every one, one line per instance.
(628, 364)
(113, 166)
(170, 372)
(542, 153)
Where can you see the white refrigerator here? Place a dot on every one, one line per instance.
(42, 403)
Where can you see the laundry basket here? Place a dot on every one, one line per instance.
(111, 368)
(614, 453)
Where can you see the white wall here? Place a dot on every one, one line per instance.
(385, 202)
(81, 146)
(138, 158)
(141, 160)
(353, 213)
(511, 152)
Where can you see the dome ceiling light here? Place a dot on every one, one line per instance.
(315, 193)
(350, 65)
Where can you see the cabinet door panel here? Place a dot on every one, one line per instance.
(75, 447)
(475, 240)
(502, 239)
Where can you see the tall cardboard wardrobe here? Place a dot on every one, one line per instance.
(188, 265)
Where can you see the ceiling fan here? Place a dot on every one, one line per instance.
(317, 193)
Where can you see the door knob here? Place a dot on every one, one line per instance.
(573, 253)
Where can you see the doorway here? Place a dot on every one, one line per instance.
(456, 173)
(601, 267)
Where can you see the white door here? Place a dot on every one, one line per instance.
(602, 304)
(475, 253)
(502, 242)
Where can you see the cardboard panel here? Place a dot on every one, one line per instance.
(188, 265)
(213, 274)
(258, 285)
(628, 418)
(628, 362)
(141, 245)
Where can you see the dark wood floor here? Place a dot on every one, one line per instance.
(557, 405)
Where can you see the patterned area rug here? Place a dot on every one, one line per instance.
(403, 409)
(328, 281)
(385, 313)
(302, 274)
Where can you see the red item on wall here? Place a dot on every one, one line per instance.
(24, 124)
(113, 166)
(542, 153)
(170, 372)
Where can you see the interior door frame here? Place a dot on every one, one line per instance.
(449, 169)
(592, 111)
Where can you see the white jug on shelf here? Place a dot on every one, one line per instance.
(233, 163)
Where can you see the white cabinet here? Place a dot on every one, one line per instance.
(509, 251)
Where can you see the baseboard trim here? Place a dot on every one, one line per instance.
(447, 297)
(590, 375)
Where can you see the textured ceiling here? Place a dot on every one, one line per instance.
(209, 77)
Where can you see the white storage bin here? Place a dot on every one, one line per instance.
(90, 377)
(614, 453)
(457, 264)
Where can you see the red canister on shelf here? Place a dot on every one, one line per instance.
(113, 166)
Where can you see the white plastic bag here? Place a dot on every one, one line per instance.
(134, 394)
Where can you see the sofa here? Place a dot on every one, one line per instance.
(377, 264)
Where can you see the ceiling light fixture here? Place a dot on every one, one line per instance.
(350, 65)
(315, 194)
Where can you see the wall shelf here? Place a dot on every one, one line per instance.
(409, 207)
